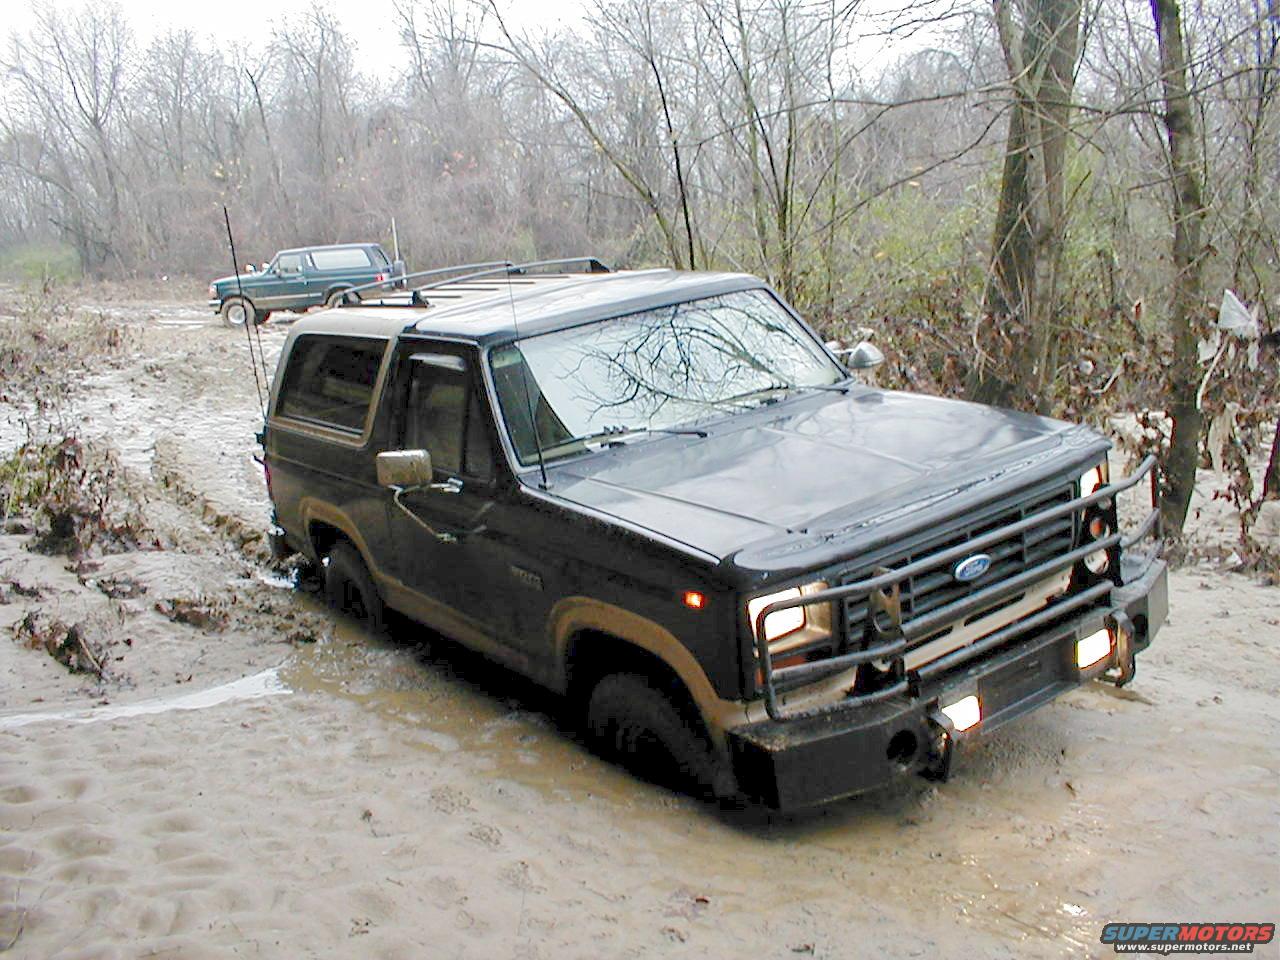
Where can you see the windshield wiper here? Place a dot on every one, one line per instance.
(766, 394)
(619, 434)
(831, 387)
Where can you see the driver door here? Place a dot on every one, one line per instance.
(444, 551)
(280, 283)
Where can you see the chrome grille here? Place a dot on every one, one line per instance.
(1009, 557)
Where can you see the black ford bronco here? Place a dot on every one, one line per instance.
(662, 495)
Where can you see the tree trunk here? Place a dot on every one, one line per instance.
(1188, 251)
(1030, 228)
(1271, 481)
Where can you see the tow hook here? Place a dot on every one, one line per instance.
(937, 765)
(1126, 667)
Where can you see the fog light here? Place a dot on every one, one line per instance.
(1097, 562)
(1093, 648)
(964, 713)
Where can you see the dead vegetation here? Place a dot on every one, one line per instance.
(72, 498)
(47, 345)
(285, 623)
(68, 644)
(203, 613)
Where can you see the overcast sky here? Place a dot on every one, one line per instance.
(371, 23)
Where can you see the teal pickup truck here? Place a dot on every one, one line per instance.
(299, 279)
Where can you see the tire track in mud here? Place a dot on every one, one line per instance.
(246, 537)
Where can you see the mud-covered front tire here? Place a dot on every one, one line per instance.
(235, 311)
(349, 588)
(633, 720)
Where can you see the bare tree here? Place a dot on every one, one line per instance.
(1186, 300)
(68, 78)
(1040, 44)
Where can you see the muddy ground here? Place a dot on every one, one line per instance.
(251, 777)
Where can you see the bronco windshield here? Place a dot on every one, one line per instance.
(652, 371)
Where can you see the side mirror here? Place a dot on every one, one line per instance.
(404, 468)
(865, 356)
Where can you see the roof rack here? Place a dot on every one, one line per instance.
(402, 295)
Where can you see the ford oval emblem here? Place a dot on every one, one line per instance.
(971, 568)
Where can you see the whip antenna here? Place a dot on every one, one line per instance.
(525, 373)
(248, 320)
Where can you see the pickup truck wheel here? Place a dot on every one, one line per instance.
(337, 296)
(349, 588)
(638, 724)
(235, 311)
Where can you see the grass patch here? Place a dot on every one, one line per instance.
(39, 262)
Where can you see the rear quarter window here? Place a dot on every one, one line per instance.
(330, 380)
(355, 257)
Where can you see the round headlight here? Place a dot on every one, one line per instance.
(1097, 562)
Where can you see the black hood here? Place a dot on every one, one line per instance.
(818, 467)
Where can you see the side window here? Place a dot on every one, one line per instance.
(289, 263)
(330, 380)
(444, 416)
(342, 259)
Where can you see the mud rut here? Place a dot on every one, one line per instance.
(403, 792)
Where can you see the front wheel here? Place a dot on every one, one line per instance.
(635, 721)
(235, 311)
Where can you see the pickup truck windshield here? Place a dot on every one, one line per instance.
(652, 371)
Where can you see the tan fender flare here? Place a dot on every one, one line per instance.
(573, 615)
(312, 510)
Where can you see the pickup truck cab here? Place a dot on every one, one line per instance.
(299, 279)
(661, 495)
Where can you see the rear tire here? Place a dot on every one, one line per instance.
(349, 588)
(236, 311)
(337, 297)
(634, 721)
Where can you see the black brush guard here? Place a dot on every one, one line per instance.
(890, 645)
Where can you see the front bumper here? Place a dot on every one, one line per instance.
(214, 305)
(814, 759)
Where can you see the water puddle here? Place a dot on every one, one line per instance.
(443, 699)
(265, 684)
